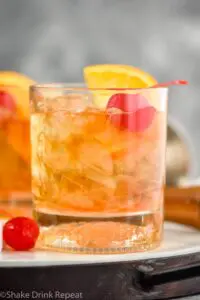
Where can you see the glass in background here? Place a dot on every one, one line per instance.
(15, 179)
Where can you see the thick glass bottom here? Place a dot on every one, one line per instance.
(95, 234)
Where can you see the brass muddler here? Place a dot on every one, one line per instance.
(182, 205)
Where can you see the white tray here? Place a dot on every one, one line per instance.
(178, 240)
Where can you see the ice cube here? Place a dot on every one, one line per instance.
(70, 102)
(44, 184)
(58, 126)
(76, 200)
(52, 92)
(92, 122)
(93, 156)
(125, 163)
(37, 123)
(39, 177)
(58, 159)
(113, 139)
(124, 186)
(101, 179)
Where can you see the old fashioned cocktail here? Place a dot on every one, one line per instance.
(98, 172)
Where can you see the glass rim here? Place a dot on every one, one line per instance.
(80, 87)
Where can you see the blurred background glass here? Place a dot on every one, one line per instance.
(53, 40)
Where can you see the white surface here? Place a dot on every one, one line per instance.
(178, 240)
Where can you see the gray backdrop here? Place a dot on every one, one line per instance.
(52, 40)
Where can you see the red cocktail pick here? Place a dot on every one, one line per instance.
(170, 83)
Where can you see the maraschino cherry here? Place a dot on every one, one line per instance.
(7, 106)
(20, 233)
(136, 112)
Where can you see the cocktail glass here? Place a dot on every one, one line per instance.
(98, 173)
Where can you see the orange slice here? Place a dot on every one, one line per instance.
(115, 76)
(17, 85)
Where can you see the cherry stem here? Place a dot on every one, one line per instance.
(174, 82)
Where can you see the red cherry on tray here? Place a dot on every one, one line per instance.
(136, 112)
(20, 233)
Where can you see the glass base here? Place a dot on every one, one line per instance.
(105, 235)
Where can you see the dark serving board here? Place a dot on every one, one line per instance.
(151, 279)
(169, 272)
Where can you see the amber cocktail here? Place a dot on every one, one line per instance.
(15, 169)
(98, 174)
(15, 179)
